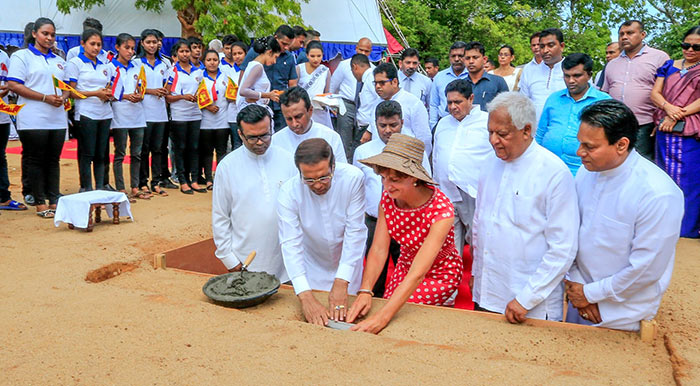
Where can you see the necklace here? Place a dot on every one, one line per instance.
(685, 70)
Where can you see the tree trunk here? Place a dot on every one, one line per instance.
(187, 18)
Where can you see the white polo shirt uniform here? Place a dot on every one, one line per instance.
(230, 71)
(127, 115)
(4, 67)
(77, 50)
(156, 77)
(181, 82)
(35, 70)
(217, 91)
(90, 76)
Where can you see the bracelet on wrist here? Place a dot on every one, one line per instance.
(365, 291)
(43, 98)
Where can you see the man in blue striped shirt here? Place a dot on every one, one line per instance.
(559, 123)
(457, 70)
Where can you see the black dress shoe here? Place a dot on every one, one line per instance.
(200, 190)
(191, 191)
(168, 184)
(109, 188)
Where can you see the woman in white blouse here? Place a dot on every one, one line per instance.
(315, 78)
(255, 86)
(505, 69)
(215, 131)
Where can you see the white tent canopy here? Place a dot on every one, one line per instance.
(340, 21)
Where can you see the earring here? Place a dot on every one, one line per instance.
(415, 183)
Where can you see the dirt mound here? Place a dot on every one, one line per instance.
(109, 271)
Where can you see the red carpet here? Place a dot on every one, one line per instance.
(70, 151)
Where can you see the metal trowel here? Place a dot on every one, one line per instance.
(339, 325)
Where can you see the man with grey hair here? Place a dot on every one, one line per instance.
(526, 221)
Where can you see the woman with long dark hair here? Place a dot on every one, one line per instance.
(42, 122)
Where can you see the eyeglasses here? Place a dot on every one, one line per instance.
(382, 82)
(686, 46)
(252, 140)
(323, 180)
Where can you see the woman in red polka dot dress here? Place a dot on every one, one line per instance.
(420, 217)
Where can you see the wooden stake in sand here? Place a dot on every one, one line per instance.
(648, 330)
(159, 261)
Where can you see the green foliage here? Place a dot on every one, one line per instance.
(431, 26)
(215, 18)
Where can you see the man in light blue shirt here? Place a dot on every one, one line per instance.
(457, 70)
(559, 123)
(411, 80)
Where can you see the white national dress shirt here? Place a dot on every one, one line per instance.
(630, 223)
(323, 237)
(415, 118)
(368, 99)
(470, 150)
(244, 208)
(418, 85)
(343, 82)
(373, 182)
(289, 140)
(538, 82)
(525, 233)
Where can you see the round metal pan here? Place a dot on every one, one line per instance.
(223, 294)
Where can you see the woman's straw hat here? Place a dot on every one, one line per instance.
(402, 153)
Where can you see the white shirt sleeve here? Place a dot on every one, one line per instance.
(421, 126)
(562, 242)
(72, 72)
(291, 239)
(653, 246)
(221, 221)
(355, 237)
(368, 98)
(523, 86)
(246, 88)
(337, 79)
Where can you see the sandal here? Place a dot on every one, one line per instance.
(13, 205)
(48, 213)
(159, 191)
(142, 195)
(210, 186)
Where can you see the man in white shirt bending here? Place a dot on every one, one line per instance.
(526, 221)
(322, 230)
(389, 122)
(297, 111)
(343, 82)
(631, 214)
(244, 203)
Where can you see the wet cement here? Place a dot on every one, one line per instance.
(238, 286)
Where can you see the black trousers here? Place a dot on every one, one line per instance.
(278, 118)
(135, 144)
(394, 252)
(152, 145)
(164, 154)
(4, 177)
(42, 150)
(185, 136)
(645, 145)
(93, 140)
(210, 140)
(236, 140)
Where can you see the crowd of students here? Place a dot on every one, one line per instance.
(96, 95)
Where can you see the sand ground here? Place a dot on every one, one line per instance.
(150, 326)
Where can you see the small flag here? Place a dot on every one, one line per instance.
(118, 85)
(141, 83)
(231, 90)
(10, 109)
(68, 104)
(203, 98)
(61, 85)
(3, 72)
(173, 86)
